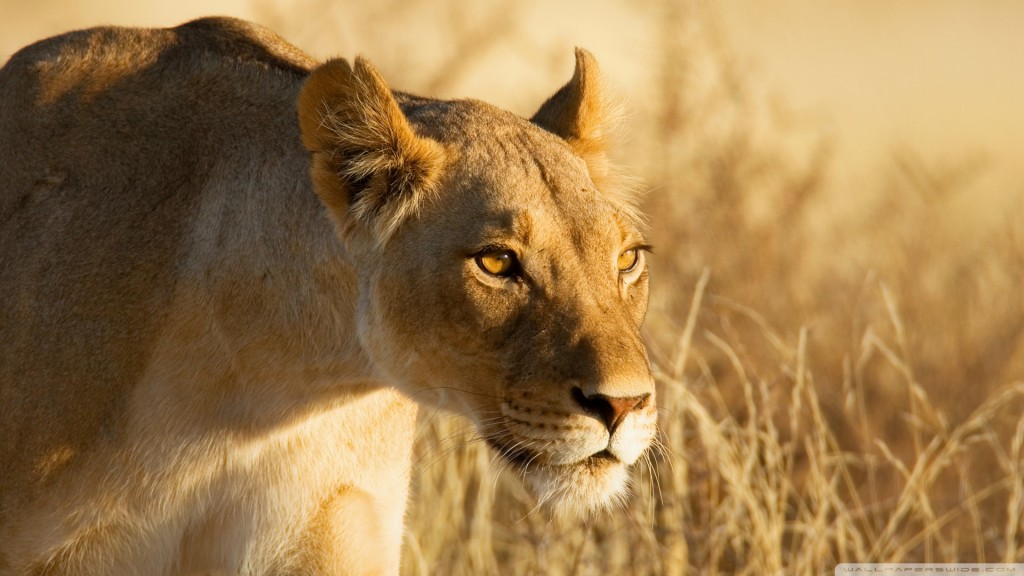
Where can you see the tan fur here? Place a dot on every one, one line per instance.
(229, 278)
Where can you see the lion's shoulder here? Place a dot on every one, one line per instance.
(246, 42)
(214, 38)
(122, 153)
(119, 88)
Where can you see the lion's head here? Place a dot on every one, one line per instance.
(500, 273)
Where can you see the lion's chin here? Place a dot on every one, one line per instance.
(579, 489)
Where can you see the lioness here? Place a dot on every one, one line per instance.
(229, 275)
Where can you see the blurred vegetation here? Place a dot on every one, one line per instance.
(840, 370)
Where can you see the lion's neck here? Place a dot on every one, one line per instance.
(268, 301)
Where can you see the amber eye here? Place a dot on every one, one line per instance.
(628, 259)
(498, 263)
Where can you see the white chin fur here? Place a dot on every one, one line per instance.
(579, 489)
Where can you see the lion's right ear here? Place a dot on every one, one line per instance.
(369, 167)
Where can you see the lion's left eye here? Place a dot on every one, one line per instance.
(628, 259)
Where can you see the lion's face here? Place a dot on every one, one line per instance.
(513, 293)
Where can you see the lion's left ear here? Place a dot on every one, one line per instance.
(581, 114)
(369, 167)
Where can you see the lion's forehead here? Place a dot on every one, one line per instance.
(489, 141)
(512, 183)
(516, 168)
(542, 221)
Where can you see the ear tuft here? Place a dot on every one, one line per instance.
(369, 167)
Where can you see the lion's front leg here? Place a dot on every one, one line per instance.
(352, 533)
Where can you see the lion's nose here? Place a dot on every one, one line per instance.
(612, 410)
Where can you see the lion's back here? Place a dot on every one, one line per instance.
(111, 98)
(110, 139)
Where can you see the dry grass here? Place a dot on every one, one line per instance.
(839, 370)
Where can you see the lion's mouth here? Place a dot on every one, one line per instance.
(572, 488)
(603, 455)
(518, 455)
(524, 458)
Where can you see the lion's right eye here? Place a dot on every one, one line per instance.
(628, 259)
(501, 263)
